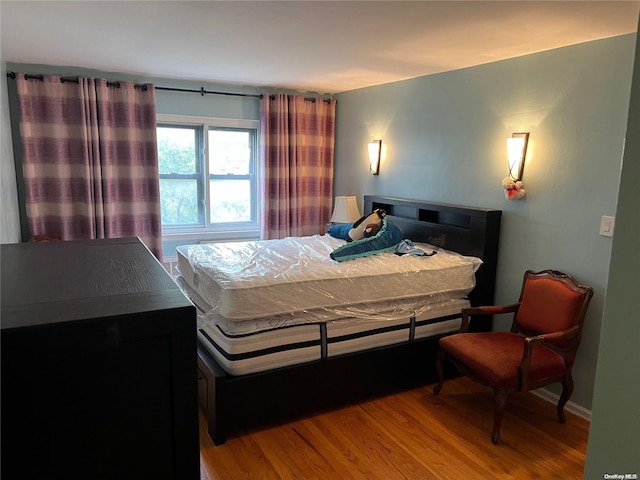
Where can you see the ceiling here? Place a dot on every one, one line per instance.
(319, 46)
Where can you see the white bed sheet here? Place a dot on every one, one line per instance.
(244, 281)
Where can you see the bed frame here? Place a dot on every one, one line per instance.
(235, 404)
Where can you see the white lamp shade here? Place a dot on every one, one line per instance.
(345, 210)
(375, 148)
(515, 150)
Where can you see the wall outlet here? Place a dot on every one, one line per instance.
(606, 226)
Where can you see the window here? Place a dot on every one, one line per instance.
(208, 176)
(231, 177)
(180, 175)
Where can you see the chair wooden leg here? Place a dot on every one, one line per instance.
(439, 367)
(501, 400)
(567, 390)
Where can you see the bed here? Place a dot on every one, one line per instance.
(283, 330)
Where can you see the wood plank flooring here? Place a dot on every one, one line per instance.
(410, 435)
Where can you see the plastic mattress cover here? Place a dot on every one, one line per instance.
(385, 311)
(296, 277)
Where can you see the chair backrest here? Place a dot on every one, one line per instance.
(551, 301)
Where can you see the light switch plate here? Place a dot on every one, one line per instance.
(606, 226)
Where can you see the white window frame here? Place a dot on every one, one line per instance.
(215, 231)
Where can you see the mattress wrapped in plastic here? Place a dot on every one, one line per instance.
(244, 281)
(246, 347)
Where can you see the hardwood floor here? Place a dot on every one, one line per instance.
(411, 435)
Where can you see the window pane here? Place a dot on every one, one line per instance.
(176, 150)
(229, 152)
(179, 201)
(230, 200)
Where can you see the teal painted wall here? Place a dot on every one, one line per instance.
(444, 140)
(614, 436)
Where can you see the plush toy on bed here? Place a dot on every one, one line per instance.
(366, 226)
(370, 235)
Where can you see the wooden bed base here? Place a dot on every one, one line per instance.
(236, 403)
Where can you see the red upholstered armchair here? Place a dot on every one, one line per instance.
(540, 348)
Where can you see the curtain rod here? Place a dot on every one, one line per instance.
(202, 91)
(39, 76)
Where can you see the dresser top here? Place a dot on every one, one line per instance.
(45, 283)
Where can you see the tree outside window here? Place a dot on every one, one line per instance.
(207, 175)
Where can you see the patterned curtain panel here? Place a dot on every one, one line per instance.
(90, 159)
(129, 161)
(298, 136)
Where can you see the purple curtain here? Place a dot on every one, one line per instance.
(90, 159)
(297, 168)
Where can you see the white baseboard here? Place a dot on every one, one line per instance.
(569, 407)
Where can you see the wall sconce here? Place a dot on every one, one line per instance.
(517, 152)
(375, 149)
(345, 210)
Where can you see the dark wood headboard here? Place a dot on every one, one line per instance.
(466, 230)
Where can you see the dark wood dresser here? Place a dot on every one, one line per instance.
(98, 364)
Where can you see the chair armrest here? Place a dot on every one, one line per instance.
(486, 310)
(560, 338)
(554, 338)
